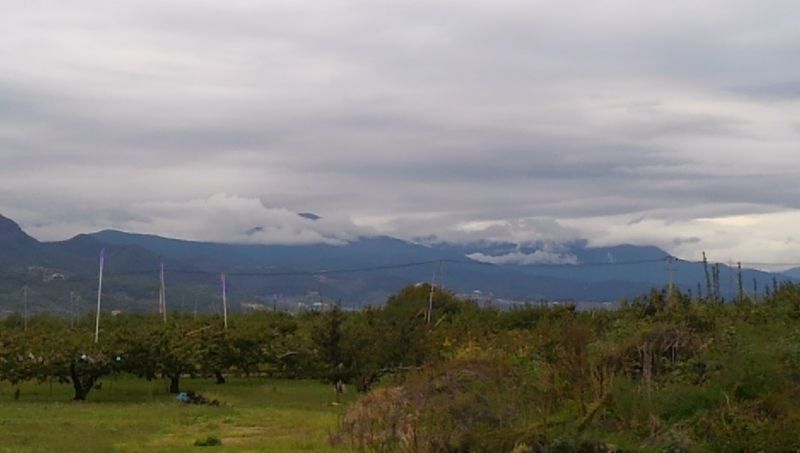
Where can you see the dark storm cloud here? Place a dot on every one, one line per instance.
(618, 121)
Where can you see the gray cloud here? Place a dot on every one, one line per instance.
(537, 257)
(486, 120)
(776, 91)
(683, 241)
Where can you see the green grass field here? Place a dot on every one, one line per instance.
(130, 414)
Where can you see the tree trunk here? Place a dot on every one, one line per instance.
(220, 377)
(81, 388)
(174, 383)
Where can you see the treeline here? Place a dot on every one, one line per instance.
(664, 372)
(354, 347)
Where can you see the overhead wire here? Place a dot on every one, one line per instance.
(373, 268)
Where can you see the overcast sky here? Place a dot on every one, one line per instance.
(668, 123)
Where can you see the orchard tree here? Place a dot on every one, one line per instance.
(215, 351)
(328, 340)
(155, 349)
(18, 359)
(177, 352)
(72, 356)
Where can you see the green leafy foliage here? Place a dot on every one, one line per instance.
(665, 372)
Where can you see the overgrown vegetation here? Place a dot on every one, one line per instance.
(664, 372)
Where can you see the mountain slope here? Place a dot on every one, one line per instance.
(80, 254)
(366, 251)
(792, 273)
(261, 272)
(17, 249)
(594, 273)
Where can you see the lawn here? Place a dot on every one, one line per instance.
(130, 414)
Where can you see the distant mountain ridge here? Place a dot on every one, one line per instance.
(79, 254)
(573, 270)
(15, 245)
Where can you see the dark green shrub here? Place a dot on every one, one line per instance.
(210, 441)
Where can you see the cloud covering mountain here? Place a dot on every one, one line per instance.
(619, 121)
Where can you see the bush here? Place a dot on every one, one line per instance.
(453, 407)
(210, 441)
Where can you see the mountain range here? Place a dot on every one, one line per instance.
(61, 276)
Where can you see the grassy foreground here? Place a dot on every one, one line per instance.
(130, 414)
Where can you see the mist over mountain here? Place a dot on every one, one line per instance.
(361, 271)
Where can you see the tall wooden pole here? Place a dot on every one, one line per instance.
(224, 302)
(163, 296)
(741, 282)
(671, 287)
(72, 309)
(428, 313)
(25, 306)
(99, 295)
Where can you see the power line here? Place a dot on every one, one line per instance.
(750, 264)
(376, 268)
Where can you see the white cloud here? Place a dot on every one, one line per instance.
(753, 239)
(537, 257)
(219, 218)
(230, 218)
(490, 120)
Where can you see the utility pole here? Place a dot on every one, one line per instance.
(708, 278)
(25, 306)
(741, 283)
(670, 259)
(99, 295)
(71, 309)
(162, 296)
(428, 313)
(731, 279)
(224, 302)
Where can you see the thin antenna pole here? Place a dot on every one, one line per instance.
(671, 274)
(195, 308)
(99, 295)
(741, 283)
(430, 299)
(25, 306)
(72, 309)
(163, 296)
(224, 302)
(730, 280)
(671, 289)
(708, 278)
(160, 292)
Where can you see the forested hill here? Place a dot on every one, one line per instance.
(264, 273)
